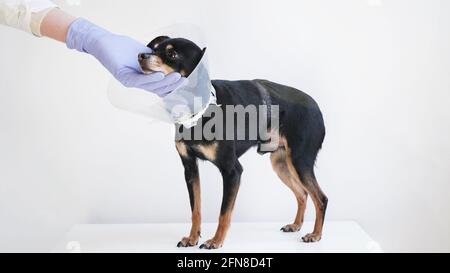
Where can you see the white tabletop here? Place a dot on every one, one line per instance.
(338, 236)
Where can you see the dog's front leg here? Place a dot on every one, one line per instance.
(193, 184)
(231, 181)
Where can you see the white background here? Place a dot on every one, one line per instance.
(378, 69)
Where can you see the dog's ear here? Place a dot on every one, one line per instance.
(155, 42)
(203, 51)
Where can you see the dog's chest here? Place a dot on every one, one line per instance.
(205, 151)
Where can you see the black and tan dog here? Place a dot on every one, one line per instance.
(301, 132)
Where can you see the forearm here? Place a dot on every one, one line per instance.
(56, 24)
(117, 53)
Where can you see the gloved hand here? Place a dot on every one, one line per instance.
(119, 54)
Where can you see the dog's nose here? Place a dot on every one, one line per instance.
(144, 56)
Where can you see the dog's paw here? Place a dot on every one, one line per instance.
(311, 238)
(291, 228)
(211, 244)
(187, 242)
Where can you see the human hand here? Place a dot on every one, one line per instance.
(119, 54)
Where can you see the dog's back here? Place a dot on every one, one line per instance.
(299, 116)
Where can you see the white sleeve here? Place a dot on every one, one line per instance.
(26, 15)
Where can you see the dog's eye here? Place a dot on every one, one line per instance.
(172, 54)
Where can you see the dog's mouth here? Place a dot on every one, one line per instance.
(152, 63)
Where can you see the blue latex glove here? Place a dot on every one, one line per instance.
(119, 54)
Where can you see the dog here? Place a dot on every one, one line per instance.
(300, 136)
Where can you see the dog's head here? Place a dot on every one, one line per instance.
(171, 55)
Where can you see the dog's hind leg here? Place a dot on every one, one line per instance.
(301, 165)
(231, 180)
(193, 184)
(279, 164)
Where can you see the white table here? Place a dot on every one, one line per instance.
(338, 236)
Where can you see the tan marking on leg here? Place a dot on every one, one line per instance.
(209, 151)
(315, 193)
(196, 211)
(224, 225)
(194, 234)
(181, 148)
(279, 164)
(221, 232)
(312, 188)
(222, 228)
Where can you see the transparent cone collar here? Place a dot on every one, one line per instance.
(185, 105)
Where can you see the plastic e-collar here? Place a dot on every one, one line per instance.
(184, 105)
